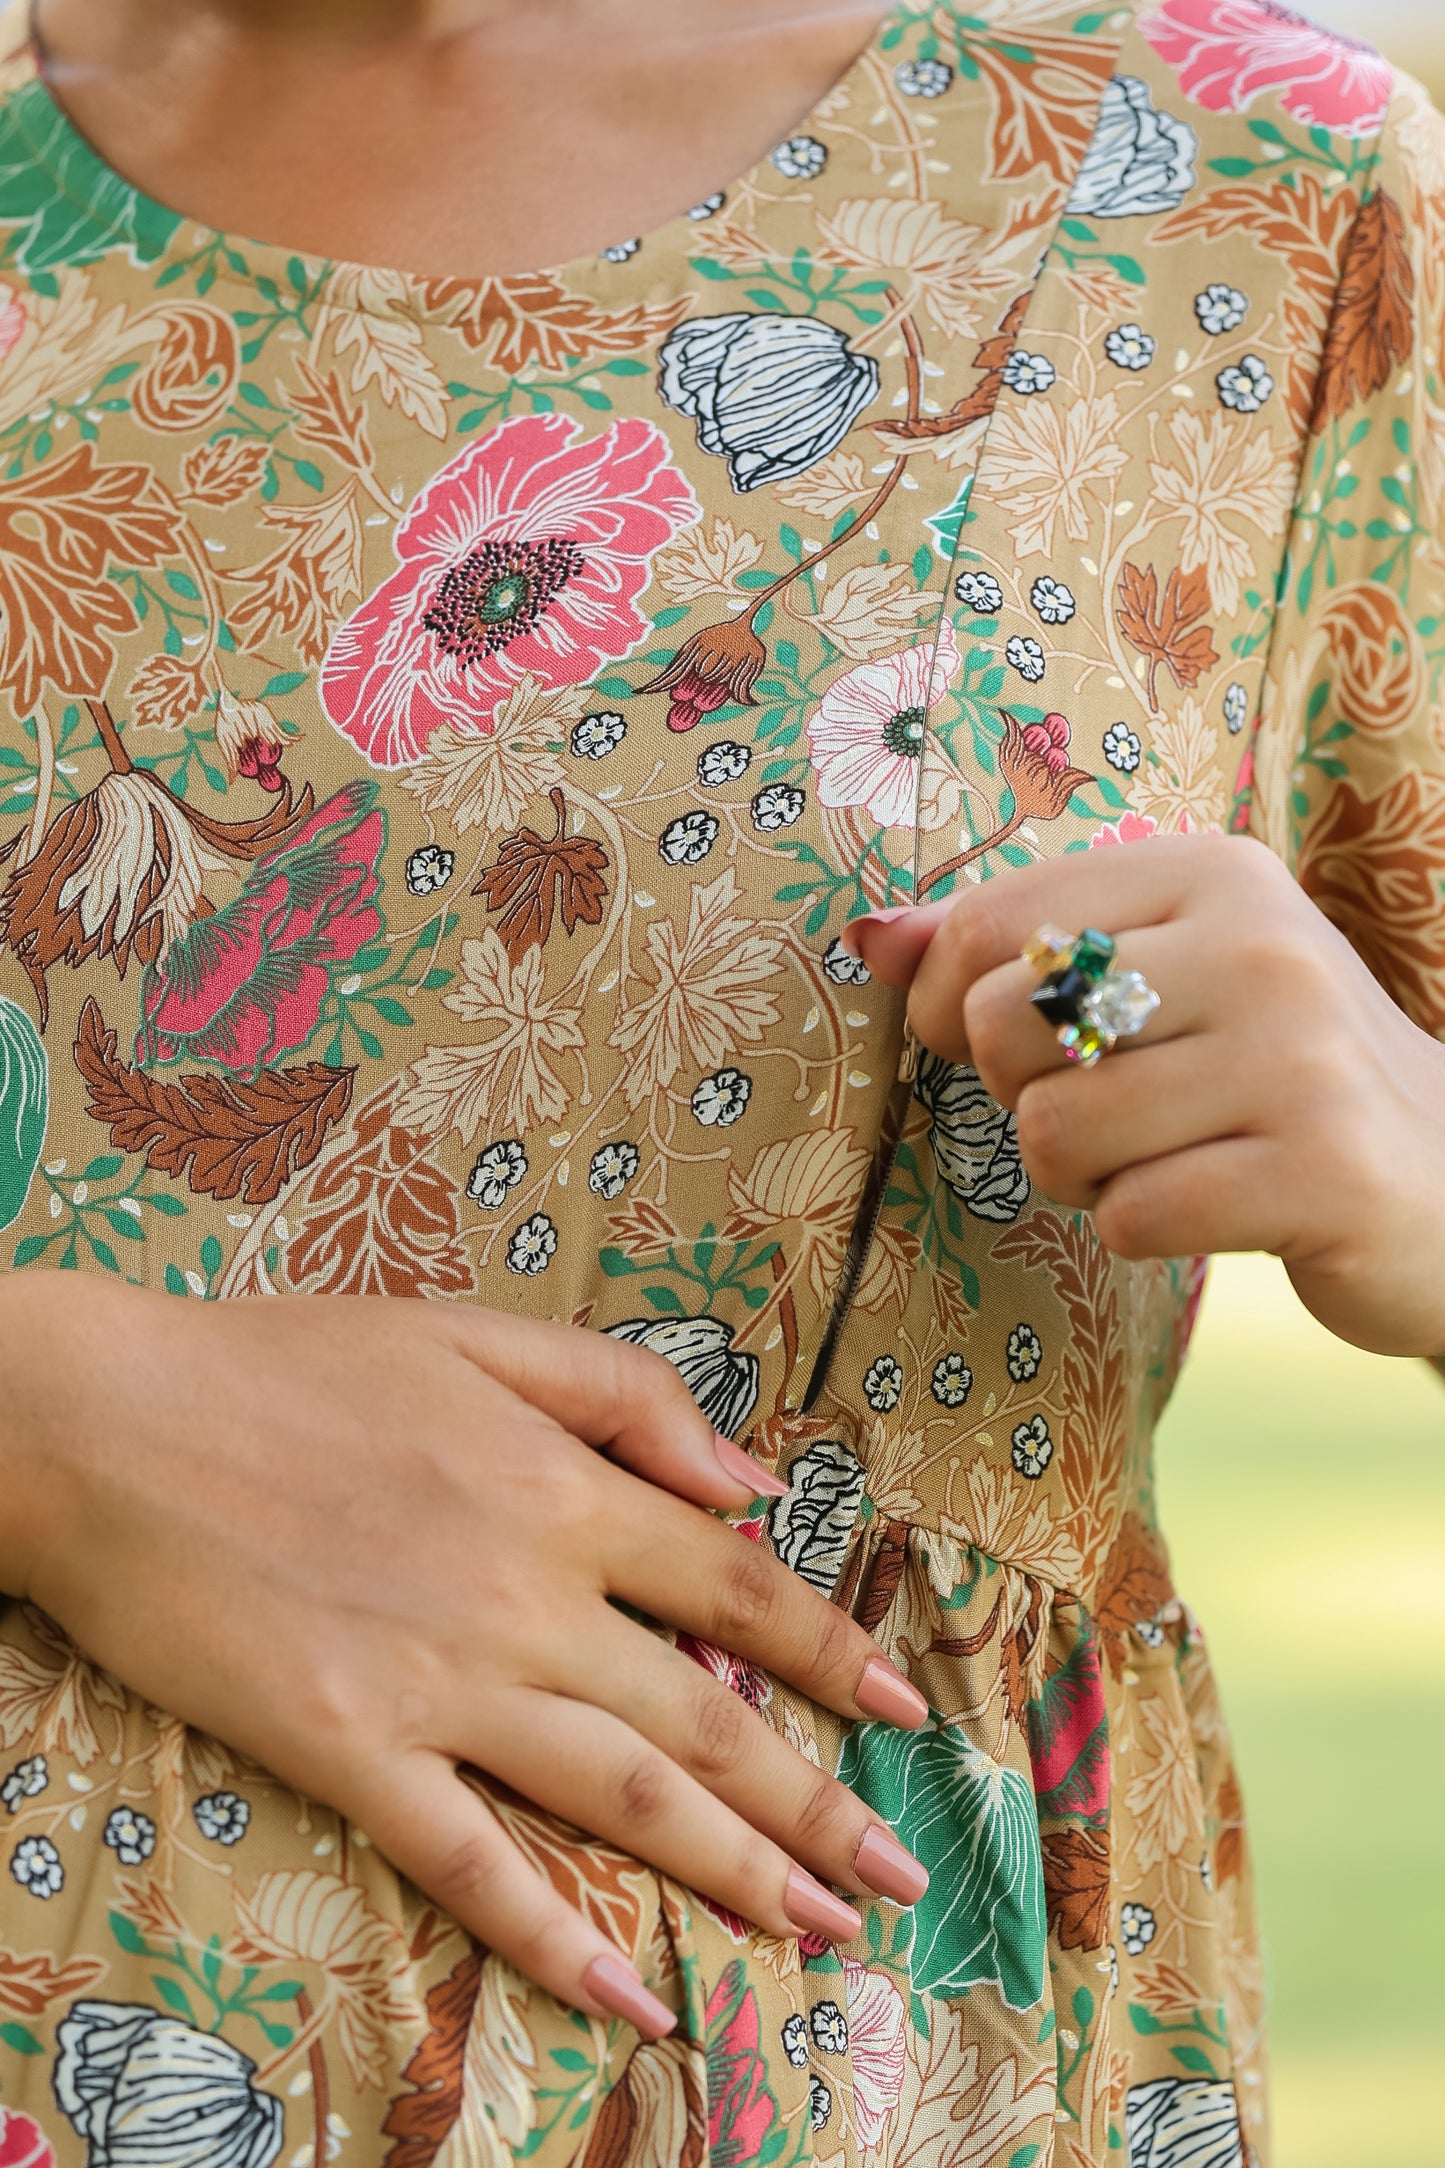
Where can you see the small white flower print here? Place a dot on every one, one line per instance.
(923, 78)
(952, 1381)
(1244, 385)
(533, 1246)
(777, 807)
(687, 840)
(1054, 602)
(1150, 1632)
(598, 734)
(1122, 749)
(820, 2102)
(26, 1781)
(980, 591)
(621, 250)
(720, 1100)
(1025, 1353)
(1033, 1448)
(795, 2040)
(1136, 1928)
(725, 762)
(224, 1817)
(131, 1835)
(801, 158)
(1111, 1966)
(1028, 373)
(35, 1864)
(1025, 656)
(1221, 308)
(842, 968)
(883, 1383)
(496, 1174)
(612, 1169)
(429, 869)
(708, 208)
(1236, 707)
(1129, 347)
(1206, 1873)
(829, 2028)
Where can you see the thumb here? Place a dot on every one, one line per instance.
(892, 943)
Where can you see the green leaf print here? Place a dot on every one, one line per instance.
(24, 1107)
(972, 1822)
(70, 207)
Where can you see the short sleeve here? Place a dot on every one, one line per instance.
(1349, 770)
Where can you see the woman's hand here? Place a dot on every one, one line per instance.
(366, 1540)
(1278, 1099)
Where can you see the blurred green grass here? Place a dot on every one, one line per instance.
(1303, 1492)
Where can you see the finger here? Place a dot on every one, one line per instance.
(628, 1401)
(1224, 1195)
(437, 1831)
(583, 1764)
(892, 942)
(699, 1707)
(1079, 1129)
(711, 1582)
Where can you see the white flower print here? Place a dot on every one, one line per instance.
(811, 1526)
(1028, 373)
(223, 1817)
(1110, 1965)
(1221, 308)
(429, 869)
(612, 1168)
(1150, 1632)
(842, 968)
(533, 1246)
(980, 592)
(1025, 656)
(723, 1380)
(1053, 600)
(1130, 348)
(1183, 2122)
(35, 1864)
(1206, 1873)
(687, 840)
(1033, 1448)
(883, 1383)
(1244, 385)
(795, 2040)
(1025, 1353)
(801, 158)
(598, 734)
(621, 250)
(1136, 1928)
(777, 807)
(1236, 707)
(708, 208)
(496, 1174)
(867, 733)
(131, 1835)
(952, 1381)
(1122, 749)
(26, 1781)
(820, 2102)
(140, 2086)
(923, 78)
(720, 1100)
(772, 394)
(829, 2028)
(725, 762)
(1139, 161)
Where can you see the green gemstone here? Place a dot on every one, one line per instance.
(1093, 953)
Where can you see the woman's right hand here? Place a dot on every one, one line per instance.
(364, 1540)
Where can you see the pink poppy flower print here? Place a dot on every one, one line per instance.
(867, 736)
(527, 552)
(741, 2111)
(1229, 52)
(875, 2044)
(23, 2144)
(1131, 828)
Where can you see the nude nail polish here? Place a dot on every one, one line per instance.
(618, 1987)
(851, 938)
(816, 1910)
(742, 1468)
(886, 1694)
(889, 1867)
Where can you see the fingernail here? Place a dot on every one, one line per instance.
(851, 936)
(744, 1469)
(885, 1693)
(618, 1987)
(817, 1911)
(889, 1867)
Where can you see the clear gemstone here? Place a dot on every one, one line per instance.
(1121, 1004)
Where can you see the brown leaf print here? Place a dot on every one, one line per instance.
(420, 2119)
(1167, 629)
(222, 1136)
(1045, 99)
(1375, 651)
(55, 1699)
(513, 321)
(1165, 1990)
(1133, 1588)
(537, 877)
(28, 1985)
(224, 470)
(654, 2114)
(1376, 867)
(1076, 1887)
(167, 692)
(380, 1218)
(328, 420)
(192, 373)
(1370, 331)
(643, 1229)
(299, 593)
(1230, 1851)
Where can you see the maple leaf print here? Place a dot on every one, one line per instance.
(1166, 629)
(537, 876)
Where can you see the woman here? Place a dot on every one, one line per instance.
(454, 713)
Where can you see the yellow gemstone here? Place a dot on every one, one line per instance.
(1085, 1043)
(1049, 948)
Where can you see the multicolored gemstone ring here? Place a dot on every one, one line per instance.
(1089, 1004)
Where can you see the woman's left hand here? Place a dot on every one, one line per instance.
(1276, 1100)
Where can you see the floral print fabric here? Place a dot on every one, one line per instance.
(446, 727)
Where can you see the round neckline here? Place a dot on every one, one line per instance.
(278, 263)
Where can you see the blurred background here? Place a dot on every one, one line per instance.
(1303, 1487)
